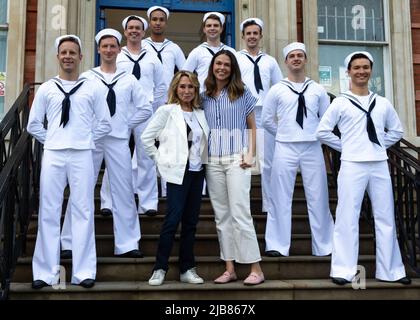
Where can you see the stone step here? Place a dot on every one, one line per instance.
(255, 190)
(207, 244)
(129, 269)
(299, 205)
(206, 225)
(314, 289)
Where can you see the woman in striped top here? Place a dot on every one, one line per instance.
(229, 110)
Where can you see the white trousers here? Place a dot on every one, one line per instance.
(126, 223)
(58, 168)
(144, 177)
(265, 149)
(229, 186)
(353, 179)
(288, 157)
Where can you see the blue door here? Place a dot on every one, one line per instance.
(226, 7)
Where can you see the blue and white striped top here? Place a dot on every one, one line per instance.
(227, 122)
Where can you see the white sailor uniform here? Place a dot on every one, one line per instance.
(131, 109)
(297, 147)
(170, 55)
(363, 167)
(172, 58)
(67, 159)
(270, 74)
(144, 168)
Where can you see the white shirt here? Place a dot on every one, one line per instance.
(195, 137)
(132, 104)
(151, 74)
(172, 56)
(280, 109)
(354, 144)
(172, 156)
(87, 104)
(227, 121)
(269, 70)
(200, 58)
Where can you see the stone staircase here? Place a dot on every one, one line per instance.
(300, 276)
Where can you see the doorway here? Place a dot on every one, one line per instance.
(184, 22)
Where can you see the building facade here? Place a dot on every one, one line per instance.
(389, 29)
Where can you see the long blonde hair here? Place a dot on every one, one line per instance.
(173, 96)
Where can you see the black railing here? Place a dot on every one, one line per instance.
(405, 174)
(19, 186)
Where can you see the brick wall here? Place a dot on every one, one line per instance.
(415, 26)
(299, 12)
(30, 42)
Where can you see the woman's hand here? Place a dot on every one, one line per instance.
(248, 161)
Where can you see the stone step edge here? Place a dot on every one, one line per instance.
(310, 284)
(207, 259)
(198, 237)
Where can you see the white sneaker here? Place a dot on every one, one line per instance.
(157, 277)
(191, 276)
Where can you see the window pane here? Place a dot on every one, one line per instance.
(333, 73)
(355, 20)
(3, 11)
(3, 46)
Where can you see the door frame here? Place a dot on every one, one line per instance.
(226, 7)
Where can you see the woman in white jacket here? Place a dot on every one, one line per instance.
(182, 131)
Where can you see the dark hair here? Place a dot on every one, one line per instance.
(151, 13)
(235, 86)
(70, 39)
(173, 96)
(215, 17)
(106, 37)
(359, 56)
(250, 23)
(133, 18)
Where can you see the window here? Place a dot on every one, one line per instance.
(344, 27)
(3, 50)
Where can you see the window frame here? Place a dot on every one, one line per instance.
(385, 45)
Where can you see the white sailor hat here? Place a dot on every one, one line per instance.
(144, 21)
(154, 8)
(351, 55)
(292, 47)
(256, 20)
(67, 36)
(221, 16)
(108, 32)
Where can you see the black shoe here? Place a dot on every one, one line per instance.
(340, 281)
(151, 213)
(87, 283)
(105, 212)
(38, 284)
(131, 254)
(405, 281)
(273, 253)
(66, 254)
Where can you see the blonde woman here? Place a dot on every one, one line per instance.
(183, 134)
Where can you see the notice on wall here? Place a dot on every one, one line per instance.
(344, 80)
(2, 84)
(325, 75)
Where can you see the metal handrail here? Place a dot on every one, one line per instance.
(405, 175)
(19, 186)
